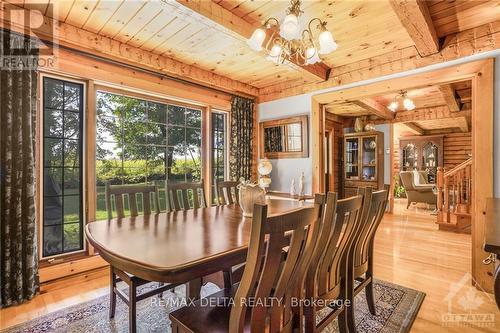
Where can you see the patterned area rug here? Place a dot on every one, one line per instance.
(396, 307)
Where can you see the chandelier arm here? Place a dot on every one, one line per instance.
(271, 39)
(306, 31)
(321, 23)
(268, 21)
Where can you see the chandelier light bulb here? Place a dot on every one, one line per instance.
(312, 56)
(290, 29)
(275, 51)
(408, 104)
(326, 42)
(275, 54)
(393, 106)
(258, 36)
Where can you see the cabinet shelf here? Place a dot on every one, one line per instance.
(363, 165)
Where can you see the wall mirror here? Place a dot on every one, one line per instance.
(284, 138)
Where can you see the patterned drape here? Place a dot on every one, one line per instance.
(18, 230)
(241, 143)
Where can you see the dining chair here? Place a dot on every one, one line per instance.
(227, 192)
(327, 278)
(374, 206)
(270, 289)
(184, 196)
(116, 193)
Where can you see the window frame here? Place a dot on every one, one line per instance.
(226, 140)
(206, 142)
(40, 163)
(227, 129)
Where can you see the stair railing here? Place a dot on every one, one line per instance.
(454, 190)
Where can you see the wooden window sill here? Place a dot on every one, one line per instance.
(70, 266)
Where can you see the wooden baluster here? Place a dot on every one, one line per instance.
(468, 187)
(459, 188)
(446, 206)
(439, 182)
(454, 193)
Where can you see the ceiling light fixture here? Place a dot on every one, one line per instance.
(408, 103)
(289, 42)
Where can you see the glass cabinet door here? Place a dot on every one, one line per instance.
(429, 160)
(351, 158)
(369, 158)
(410, 157)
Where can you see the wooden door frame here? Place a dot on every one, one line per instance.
(481, 73)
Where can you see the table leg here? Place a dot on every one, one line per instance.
(193, 289)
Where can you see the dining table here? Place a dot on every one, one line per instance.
(181, 246)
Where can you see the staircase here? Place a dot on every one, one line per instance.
(454, 198)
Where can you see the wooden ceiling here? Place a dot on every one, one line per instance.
(455, 97)
(200, 32)
(451, 16)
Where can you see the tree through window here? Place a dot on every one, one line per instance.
(62, 172)
(141, 141)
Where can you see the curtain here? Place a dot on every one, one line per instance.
(18, 229)
(241, 143)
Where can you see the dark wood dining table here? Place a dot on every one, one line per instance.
(182, 246)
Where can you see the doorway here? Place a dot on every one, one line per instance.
(480, 74)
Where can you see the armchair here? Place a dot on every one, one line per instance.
(422, 192)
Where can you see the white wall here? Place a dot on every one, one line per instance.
(284, 170)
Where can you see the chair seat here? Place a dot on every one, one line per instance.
(209, 315)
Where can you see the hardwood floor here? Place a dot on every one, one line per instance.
(409, 250)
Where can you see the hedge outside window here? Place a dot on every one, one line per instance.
(141, 141)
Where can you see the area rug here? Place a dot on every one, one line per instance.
(396, 306)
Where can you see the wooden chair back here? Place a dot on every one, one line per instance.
(184, 196)
(227, 192)
(262, 279)
(118, 191)
(374, 206)
(328, 263)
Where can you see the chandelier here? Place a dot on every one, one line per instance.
(288, 42)
(408, 104)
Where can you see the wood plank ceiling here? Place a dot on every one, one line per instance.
(363, 30)
(455, 97)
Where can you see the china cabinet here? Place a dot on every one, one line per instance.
(363, 161)
(422, 153)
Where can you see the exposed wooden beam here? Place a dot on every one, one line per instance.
(335, 117)
(69, 36)
(463, 124)
(243, 29)
(415, 17)
(450, 97)
(434, 113)
(375, 107)
(414, 128)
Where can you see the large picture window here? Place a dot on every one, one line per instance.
(143, 141)
(62, 230)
